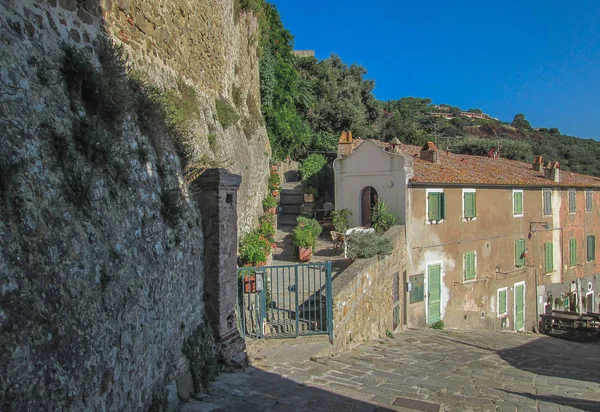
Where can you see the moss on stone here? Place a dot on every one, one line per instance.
(226, 113)
(200, 350)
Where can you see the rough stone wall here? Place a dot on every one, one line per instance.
(363, 295)
(203, 42)
(101, 245)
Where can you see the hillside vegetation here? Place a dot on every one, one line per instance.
(308, 102)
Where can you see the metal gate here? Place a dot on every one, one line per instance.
(285, 301)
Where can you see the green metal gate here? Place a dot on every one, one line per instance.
(285, 301)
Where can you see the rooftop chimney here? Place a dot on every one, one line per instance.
(345, 144)
(395, 145)
(538, 163)
(430, 153)
(552, 171)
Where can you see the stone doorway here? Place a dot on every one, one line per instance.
(368, 200)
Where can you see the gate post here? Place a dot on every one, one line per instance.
(215, 192)
(329, 302)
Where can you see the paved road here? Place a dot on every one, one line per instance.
(459, 371)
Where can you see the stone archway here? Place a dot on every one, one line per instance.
(368, 200)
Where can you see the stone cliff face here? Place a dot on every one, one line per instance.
(101, 241)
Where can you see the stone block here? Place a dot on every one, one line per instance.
(172, 399)
(185, 386)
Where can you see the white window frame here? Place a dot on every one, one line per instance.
(505, 289)
(524, 305)
(464, 219)
(543, 205)
(569, 201)
(522, 202)
(427, 191)
(464, 277)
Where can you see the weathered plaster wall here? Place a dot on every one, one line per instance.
(370, 165)
(363, 295)
(492, 235)
(101, 245)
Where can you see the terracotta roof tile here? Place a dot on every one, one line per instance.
(467, 169)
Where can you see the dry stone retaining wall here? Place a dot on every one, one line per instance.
(363, 295)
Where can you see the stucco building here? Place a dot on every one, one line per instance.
(491, 242)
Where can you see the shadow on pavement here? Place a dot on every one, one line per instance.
(579, 404)
(570, 360)
(257, 390)
(567, 358)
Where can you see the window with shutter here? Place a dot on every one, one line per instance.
(436, 207)
(502, 306)
(547, 197)
(572, 201)
(519, 250)
(518, 203)
(549, 255)
(470, 272)
(591, 248)
(470, 205)
(572, 252)
(588, 200)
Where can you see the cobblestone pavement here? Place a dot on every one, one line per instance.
(459, 371)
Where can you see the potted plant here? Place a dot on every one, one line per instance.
(305, 237)
(270, 204)
(305, 241)
(309, 194)
(341, 220)
(274, 182)
(249, 280)
(267, 228)
(254, 248)
(273, 167)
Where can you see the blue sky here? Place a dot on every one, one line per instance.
(540, 58)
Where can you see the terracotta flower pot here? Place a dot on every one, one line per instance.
(309, 198)
(273, 168)
(305, 253)
(275, 193)
(249, 284)
(272, 210)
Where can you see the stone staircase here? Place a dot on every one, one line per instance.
(283, 322)
(290, 203)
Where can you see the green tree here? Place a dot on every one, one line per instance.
(520, 122)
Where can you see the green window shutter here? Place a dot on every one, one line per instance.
(434, 206)
(502, 302)
(470, 206)
(470, 272)
(519, 249)
(549, 266)
(442, 205)
(572, 252)
(591, 248)
(518, 203)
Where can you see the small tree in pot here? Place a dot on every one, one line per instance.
(341, 220)
(305, 237)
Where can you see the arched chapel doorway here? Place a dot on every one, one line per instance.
(368, 199)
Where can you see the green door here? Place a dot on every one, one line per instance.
(519, 307)
(434, 289)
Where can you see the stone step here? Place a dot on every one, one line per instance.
(287, 220)
(290, 209)
(290, 199)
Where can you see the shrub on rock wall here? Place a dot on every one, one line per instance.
(199, 348)
(364, 245)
